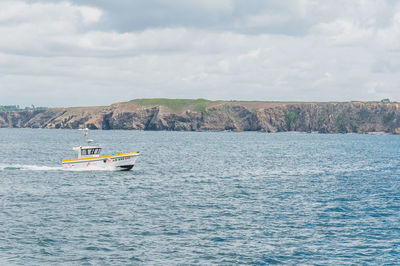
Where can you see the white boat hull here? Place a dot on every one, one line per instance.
(121, 162)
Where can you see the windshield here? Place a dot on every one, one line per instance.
(91, 151)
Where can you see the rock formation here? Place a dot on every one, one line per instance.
(335, 117)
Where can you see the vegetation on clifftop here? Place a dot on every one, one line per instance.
(12, 108)
(175, 104)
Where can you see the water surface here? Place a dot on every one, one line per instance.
(201, 198)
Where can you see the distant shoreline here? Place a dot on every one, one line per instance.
(221, 131)
(204, 115)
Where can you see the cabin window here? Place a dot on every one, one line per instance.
(91, 151)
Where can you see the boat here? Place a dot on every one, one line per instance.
(89, 158)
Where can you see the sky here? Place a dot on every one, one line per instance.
(98, 52)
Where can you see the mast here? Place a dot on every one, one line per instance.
(85, 135)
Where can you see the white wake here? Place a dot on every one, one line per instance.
(27, 167)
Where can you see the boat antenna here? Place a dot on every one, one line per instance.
(85, 135)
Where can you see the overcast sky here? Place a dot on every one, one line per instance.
(97, 52)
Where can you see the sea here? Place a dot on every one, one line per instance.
(205, 198)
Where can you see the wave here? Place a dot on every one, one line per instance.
(27, 167)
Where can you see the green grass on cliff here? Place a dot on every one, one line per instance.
(17, 108)
(199, 105)
(290, 119)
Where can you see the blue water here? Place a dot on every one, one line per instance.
(201, 198)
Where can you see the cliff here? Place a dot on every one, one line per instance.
(203, 115)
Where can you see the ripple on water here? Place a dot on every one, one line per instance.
(202, 198)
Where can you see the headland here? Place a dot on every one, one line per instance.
(206, 115)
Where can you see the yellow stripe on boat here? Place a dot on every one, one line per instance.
(100, 157)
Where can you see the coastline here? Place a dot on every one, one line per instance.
(236, 116)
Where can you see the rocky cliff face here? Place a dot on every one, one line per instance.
(354, 117)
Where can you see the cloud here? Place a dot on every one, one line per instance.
(39, 28)
(19, 12)
(61, 53)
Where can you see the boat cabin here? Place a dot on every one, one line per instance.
(87, 151)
